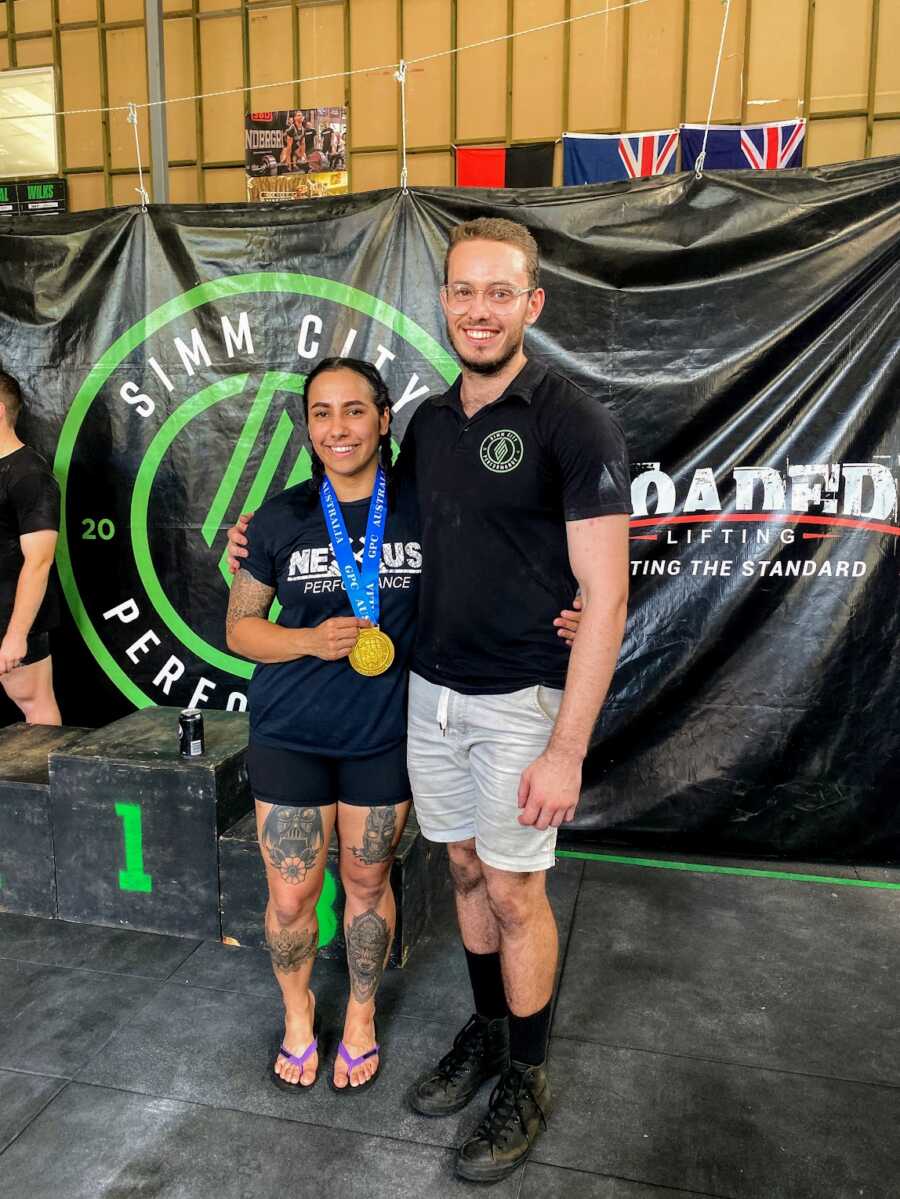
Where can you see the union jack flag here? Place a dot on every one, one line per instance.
(648, 153)
(732, 147)
(771, 147)
(606, 157)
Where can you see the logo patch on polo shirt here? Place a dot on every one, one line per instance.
(502, 451)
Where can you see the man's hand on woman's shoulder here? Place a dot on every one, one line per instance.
(237, 542)
(568, 621)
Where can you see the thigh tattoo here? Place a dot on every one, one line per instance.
(381, 824)
(292, 839)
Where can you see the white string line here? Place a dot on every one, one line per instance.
(400, 76)
(391, 66)
(701, 157)
(140, 189)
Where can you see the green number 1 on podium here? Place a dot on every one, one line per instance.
(133, 877)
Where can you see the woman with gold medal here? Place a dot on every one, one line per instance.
(340, 554)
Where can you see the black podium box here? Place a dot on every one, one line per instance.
(135, 825)
(417, 869)
(27, 877)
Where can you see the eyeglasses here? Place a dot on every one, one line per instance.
(459, 297)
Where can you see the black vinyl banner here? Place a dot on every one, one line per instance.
(743, 328)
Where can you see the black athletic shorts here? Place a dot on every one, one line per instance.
(298, 780)
(37, 648)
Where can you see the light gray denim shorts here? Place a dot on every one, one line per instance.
(466, 754)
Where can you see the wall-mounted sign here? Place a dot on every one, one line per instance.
(42, 196)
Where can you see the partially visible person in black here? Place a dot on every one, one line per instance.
(310, 136)
(29, 607)
(294, 152)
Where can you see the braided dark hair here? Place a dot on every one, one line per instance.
(380, 397)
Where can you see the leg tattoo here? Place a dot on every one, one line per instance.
(381, 824)
(292, 838)
(367, 946)
(290, 950)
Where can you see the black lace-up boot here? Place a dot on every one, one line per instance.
(516, 1115)
(480, 1051)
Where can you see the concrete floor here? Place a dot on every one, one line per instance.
(714, 1035)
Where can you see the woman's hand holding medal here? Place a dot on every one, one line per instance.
(335, 638)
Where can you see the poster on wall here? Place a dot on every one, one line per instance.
(296, 154)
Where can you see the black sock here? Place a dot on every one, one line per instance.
(487, 984)
(528, 1036)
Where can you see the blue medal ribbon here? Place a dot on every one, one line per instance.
(361, 584)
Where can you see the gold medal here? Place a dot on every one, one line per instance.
(373, 652)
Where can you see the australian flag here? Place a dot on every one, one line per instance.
(602, 158)
(734, 147)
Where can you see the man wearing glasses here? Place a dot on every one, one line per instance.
(523, 488)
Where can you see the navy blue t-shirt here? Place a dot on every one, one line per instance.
(311, 705)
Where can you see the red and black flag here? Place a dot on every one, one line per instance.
(505, 166)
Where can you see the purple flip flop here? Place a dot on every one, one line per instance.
(295, 1060)
(351, 1064)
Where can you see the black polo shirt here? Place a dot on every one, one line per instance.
(495, 492)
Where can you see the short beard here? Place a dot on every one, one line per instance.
(487, 369)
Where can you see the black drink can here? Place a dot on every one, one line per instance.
(190, 733)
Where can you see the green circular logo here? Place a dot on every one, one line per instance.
(502, 451)
(192, 416)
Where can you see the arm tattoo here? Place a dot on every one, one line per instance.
(292, 839)
(248, 597)
(381, 824)
(367, 948)
(290, 950)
